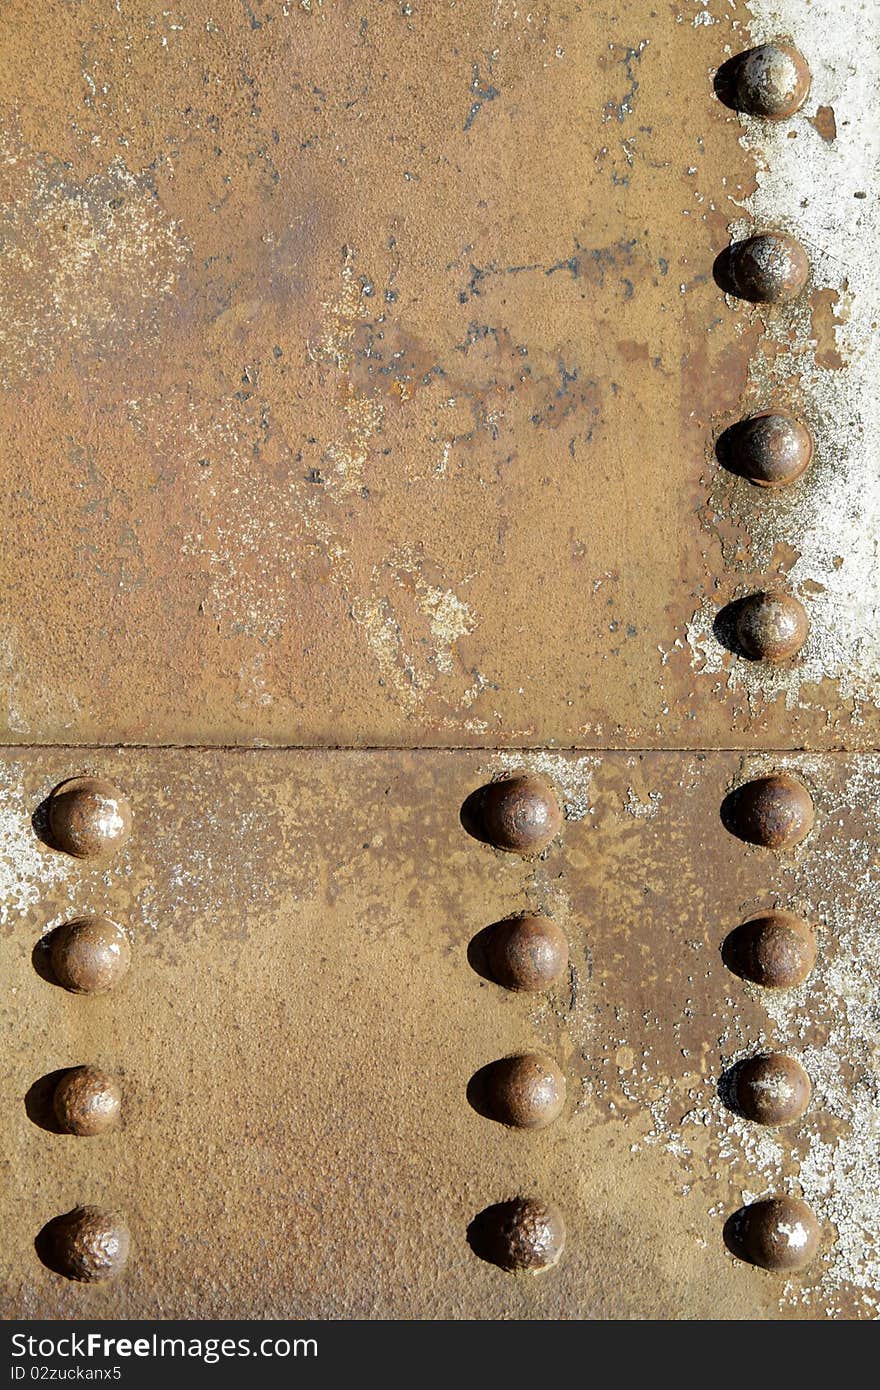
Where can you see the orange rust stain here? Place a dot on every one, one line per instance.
(824, 320)
(824, 123)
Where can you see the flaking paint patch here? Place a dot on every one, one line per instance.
(839, 1178)
(808, 186)
(86, 264)
(346, 457)
(830, 1024)
(27, 869)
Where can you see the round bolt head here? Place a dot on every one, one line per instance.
(771, 626)
(775, 811)
(770, 450)
(90, 955)
(87, 1101)
(779, 1233)
(527, 953)
(770, 268)
(523, 1236)
(771, 81)
(776, 950)
(526, 1092)
(772, 1089)
(88, 818)
(87, 1244)
(520, 814)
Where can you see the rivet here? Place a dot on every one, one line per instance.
(771, 81)
(525, 1092)
(90, 955)
(87, 1101)
(771, 450)
(776, 950)
(771, 626)
(88, 817)
(524, 1236)
(770, 268)
(774, 811)
(779, 1233)
(87, 1244)
(527, 953)
(520, 814)
(772, 1089)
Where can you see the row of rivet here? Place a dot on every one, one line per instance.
(774, 950)
(87, 819)
(772, 450)
(520, 814)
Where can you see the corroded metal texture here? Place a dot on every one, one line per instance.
(379, 374)
(362, 367)
(302, 1018)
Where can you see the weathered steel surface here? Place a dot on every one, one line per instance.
(300, 1022)
(362, 365)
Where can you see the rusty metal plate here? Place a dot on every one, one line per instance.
(362, 367)
(301, 1020)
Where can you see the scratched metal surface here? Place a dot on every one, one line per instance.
(300, 1022)
(362, 362)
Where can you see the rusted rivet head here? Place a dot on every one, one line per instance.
(771, 626)
(526, 1092)
(527, 953)
(520, 814)
(770, 268)
(774, 811)
(772, 1089)
(772, 81)
(90, 955)
(776, 950)
(88, 1244)
(779, 1233)
(770, 450)
(88, 818)
(524, 1236)
(87, 1101)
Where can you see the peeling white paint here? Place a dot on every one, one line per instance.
(27, 870)
(808, 186)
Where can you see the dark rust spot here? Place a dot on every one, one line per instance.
(779, 1233)
(771, 81)
(774, 811)
(770, 450)
(526, 1092)
(524, 1235)
(90, 955)
(776, 950)
(526, 953)
(87, 1101)
(88, 817)
(519, 814)
(771, 626)
(87, 1244)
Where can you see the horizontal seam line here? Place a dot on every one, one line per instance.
(500, 749)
